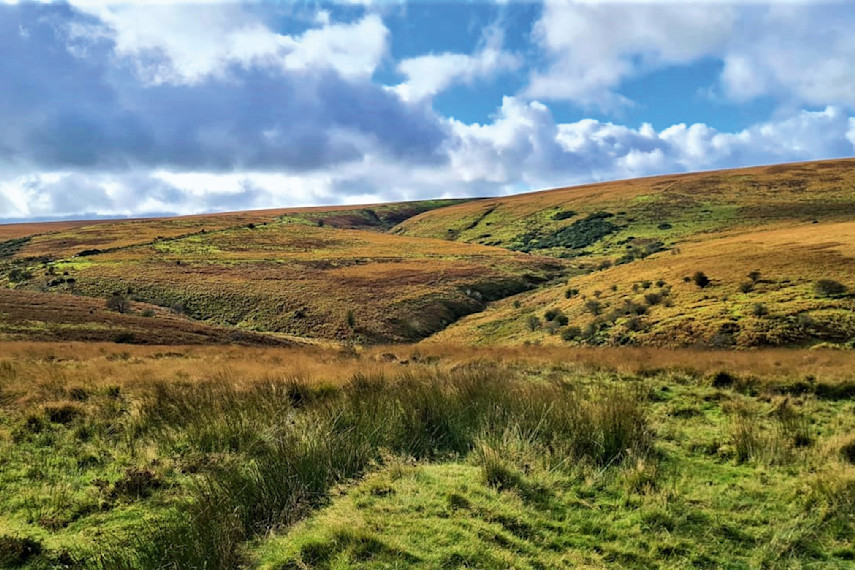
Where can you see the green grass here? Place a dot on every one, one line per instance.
(442, 465)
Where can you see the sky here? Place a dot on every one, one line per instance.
(133, 109)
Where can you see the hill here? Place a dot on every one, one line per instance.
(301, 272)
(765, 237)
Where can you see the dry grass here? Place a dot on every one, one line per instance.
(690, 202)
(303, 280)
(790, 261)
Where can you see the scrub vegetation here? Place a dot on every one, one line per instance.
(390, 457)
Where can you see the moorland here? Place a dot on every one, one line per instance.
(635, 374)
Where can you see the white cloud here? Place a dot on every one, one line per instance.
(796, 52)
(593, 47)
(522, 149)
(187, 44)
(430, 74)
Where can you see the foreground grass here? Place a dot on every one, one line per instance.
(259, 458)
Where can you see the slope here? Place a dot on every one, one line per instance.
(295, 277)
(770, 241)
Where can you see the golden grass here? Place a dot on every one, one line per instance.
(790, 259)
(42, 366)
(694, 202)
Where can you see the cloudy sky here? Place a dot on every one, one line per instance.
(131, 109)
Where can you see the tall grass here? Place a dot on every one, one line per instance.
(283, 445)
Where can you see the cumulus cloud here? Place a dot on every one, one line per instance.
(593, 47)
(129, 110)
(430, 74)
(79, 112)
(798, 52)
(525, 148)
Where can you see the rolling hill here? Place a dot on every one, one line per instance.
(732, 258)
(763, 236)
(299, 272)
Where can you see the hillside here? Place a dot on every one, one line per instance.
(299, 272)
(491, 271)
(635, 246)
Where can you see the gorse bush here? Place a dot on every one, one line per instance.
(291, 443)
(829, 288)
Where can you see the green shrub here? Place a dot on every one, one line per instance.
(118, 302)
(570, 292)
(593, 306)
(759, 310)
(16, 551)
(533, 323)
(571, 333)
(746, 287)
(829, 288)
(700, 279)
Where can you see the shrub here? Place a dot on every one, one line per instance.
(754, 276)
(19, 275)
(15, 551)
(148, 313)
(847, 451)
(829, 288)
(350, 319)
(746, 287)
(700, 279)
(533, 323)
(571, 292)
(759, 310)
(119, 303)
(652, 298)
(550, 314)
(593, 306)
(561, 320)
(571, 333)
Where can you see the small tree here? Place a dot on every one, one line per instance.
(594, 307)
(754, 276)
(700, 279)
(829, 288)
(759, 310)
(533, 323)
(350, 319)
(119, 303)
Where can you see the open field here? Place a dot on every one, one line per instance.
(645, 211)
(300, 272)
(655, 301)
(25, 315)
(601, 264)
(203, 457)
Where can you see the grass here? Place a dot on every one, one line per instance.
(279, 278)
(678, 312)
(288, 458)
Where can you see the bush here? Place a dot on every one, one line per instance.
(594, 307)
(829, 288)
(561, 320)
(700, 279)
(19, 275)
(759, 310)
(571, 292)
(15, 551)
(652, 298)
(754, 276)
(119, 303)
(148, 313)
(533, 323)
(350, 319)
(571, 333)
(746, 287)
(551, 314)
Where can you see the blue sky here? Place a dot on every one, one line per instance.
(118, 109)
